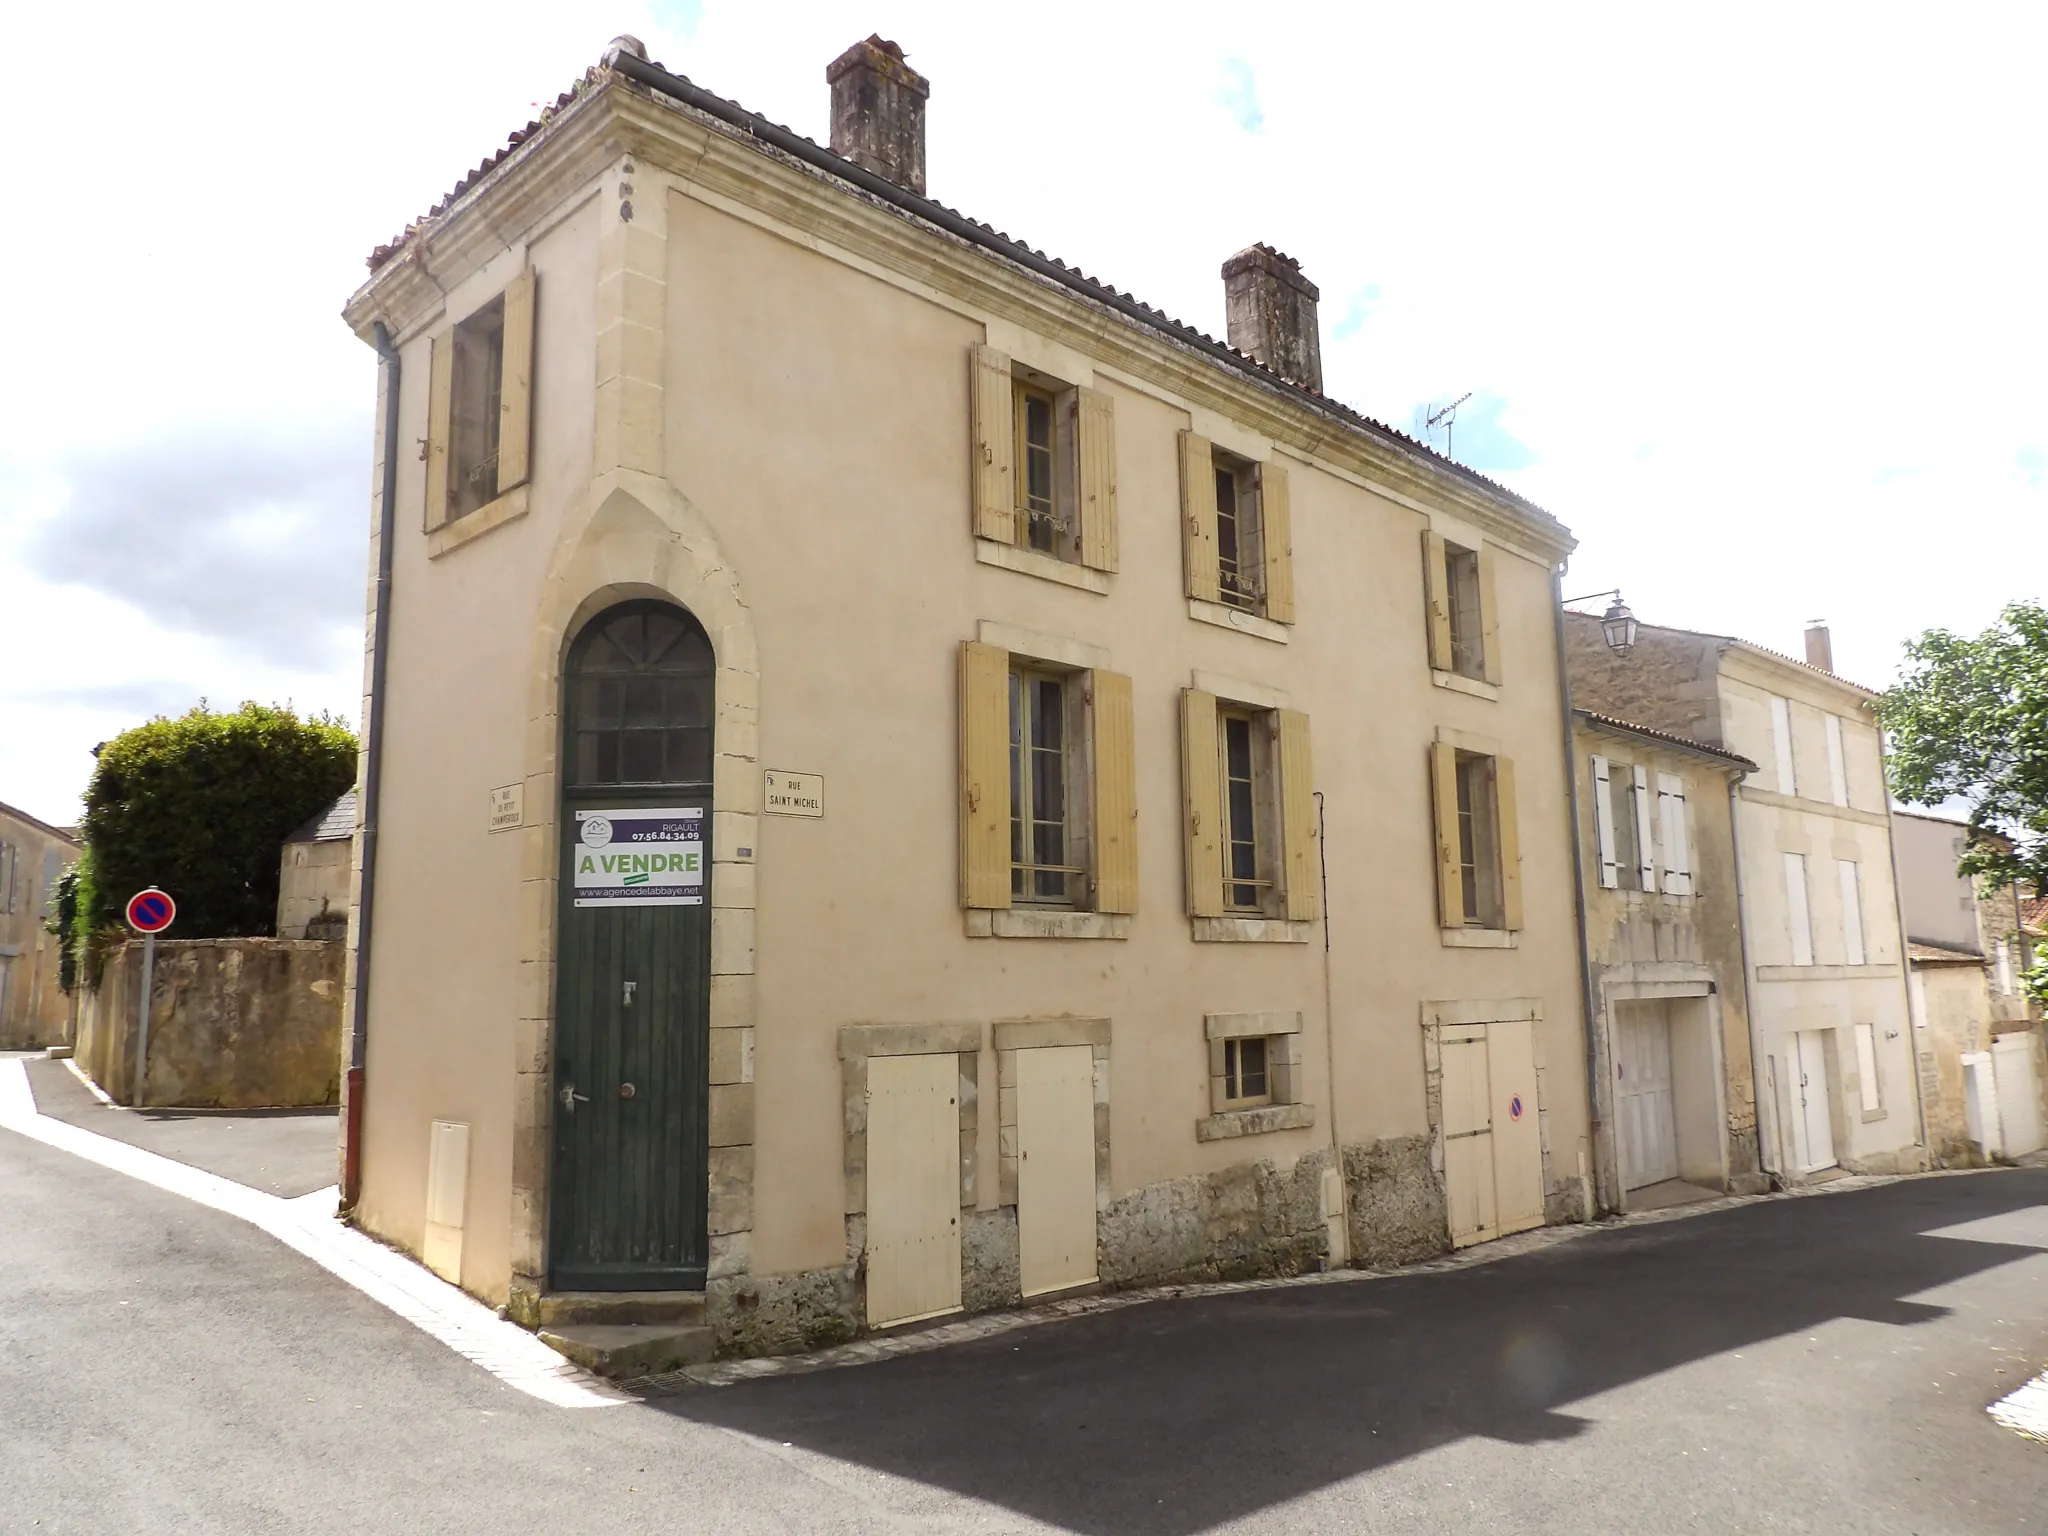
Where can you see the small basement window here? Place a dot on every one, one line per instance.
(1246, 1081)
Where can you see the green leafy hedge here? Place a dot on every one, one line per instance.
(200, 805)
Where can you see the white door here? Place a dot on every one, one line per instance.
(2019, 1104)
(1055, 1167)
(1642, 1071)
(1468, 1136)
(1517, 1140)
(913, 1187)
(1813, 1129)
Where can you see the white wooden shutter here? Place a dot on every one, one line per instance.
(1677, 846)
(1866, 1065)
(1781, 740)
(1798, 917)
(1852, 910)
(1603, 824)
(1646, 852)
(1838, 778)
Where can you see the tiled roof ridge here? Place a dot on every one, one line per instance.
(1676, 740)
(624, 67)
(1940, 954)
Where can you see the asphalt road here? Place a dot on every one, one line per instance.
(1812, 1365)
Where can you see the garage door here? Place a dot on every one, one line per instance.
(1642, 1088)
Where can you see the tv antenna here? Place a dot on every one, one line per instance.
(1445, 416)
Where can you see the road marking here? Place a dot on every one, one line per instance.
(307, 1225)
(2026, 1410)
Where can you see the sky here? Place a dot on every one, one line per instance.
(1753, 298)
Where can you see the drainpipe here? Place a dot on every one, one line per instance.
(1571, 797)
(373, 778)
(1756, 1054)
(1884, 780)
(1343, 1211)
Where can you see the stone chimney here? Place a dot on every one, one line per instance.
(878, 112)
(1272, 314)
(1820, 651)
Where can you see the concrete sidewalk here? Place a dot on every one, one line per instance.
(283, 1152)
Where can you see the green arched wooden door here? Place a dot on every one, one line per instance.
(633, 956)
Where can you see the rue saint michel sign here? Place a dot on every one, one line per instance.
(793, 794)
(640, 857)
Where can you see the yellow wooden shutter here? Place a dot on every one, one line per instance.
(1489, 617)
(1116, 794)
(1278, 513)
(1298, 820)
(1443, 779)
(1198, 520)
(515, 385)
(1203, 811)
(1509, 825)
(984, 775)
(1098, 480)
(995, 441)
(1436, 585)
(440, 413)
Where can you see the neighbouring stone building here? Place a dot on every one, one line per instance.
(34, 1011)
(901, 778)
(1825, 972)
(313, 874)
(1675, 1113)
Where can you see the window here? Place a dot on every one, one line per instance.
(1838, 778)
(1621, 810)
(1250, 808)
(1244, 1073)
(1641, 848)
(1479, 876)
(1237, 538)
(479, 409)
(640, 699)
(1044, 853)
(1852, 910)
(1781, 742)
(1677, 839)
(1464, 636)
(1045, 465)
(1866, 1069)
(1048, 788)
(1798, 915)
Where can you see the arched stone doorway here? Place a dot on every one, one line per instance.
(627, 1206)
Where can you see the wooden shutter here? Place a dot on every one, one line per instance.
(995, 442)
(440, 414)
(1277, 511)
(1443, 779)
(1603, 824)
(1202, 811)
(515, 385)
(1798, 914)
(1852, 911)
(1198, 521)
(1303, 875)
(1508, 830)
(1489, 619)
(1838, 777)
(1116, 794)
(1098, 480)
(1646, 848)
(1677, 847)
(984, 776)
(1436, 586)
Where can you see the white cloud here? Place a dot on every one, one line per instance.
(1759, 294)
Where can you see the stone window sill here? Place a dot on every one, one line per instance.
(1026, 923)
(1874, 1114)
(1825, 972)
(1457, 682)
(1223, 616)
(1031, 562)
(1480, 938)
(472, 525)
(1232, 1123)
(1249, 930)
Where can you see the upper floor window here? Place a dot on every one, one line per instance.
(1464, 621)
(1044, 463)
(1781, 746)
(1237, 531)
(1047, 853)
(1479, 857)
(1627, 834)
(480, 406)
(1250, 807)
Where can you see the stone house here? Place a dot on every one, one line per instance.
(1674, 1113)
(34, 1012)
(900, 778)
(313, 873)
(1825, 972)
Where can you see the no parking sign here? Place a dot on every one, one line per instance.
(151, 911)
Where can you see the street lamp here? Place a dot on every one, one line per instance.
(1617, 624)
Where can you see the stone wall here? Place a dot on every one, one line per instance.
(234, 1024)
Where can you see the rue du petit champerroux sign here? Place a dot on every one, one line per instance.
(794, 794)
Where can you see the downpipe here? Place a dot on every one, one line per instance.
(1595, 1125)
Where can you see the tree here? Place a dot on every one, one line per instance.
(1970, 720)
(200, 805)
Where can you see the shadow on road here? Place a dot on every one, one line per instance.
(1176, 1416)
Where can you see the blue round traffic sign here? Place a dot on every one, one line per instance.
(151, 911)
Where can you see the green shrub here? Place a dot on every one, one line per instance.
(200, 806)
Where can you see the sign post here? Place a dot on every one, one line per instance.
(149, 913)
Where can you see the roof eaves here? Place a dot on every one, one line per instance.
(1683, 743)
(68, 834)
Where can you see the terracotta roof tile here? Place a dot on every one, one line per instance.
(1734, 759)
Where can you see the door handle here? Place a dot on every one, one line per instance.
(571, 1098)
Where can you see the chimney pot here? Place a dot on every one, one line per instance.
(1820, 650)
(1271, 312)
(878, 112)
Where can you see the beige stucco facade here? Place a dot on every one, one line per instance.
(751, 398)
(33, 1008)
(1820, 915)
